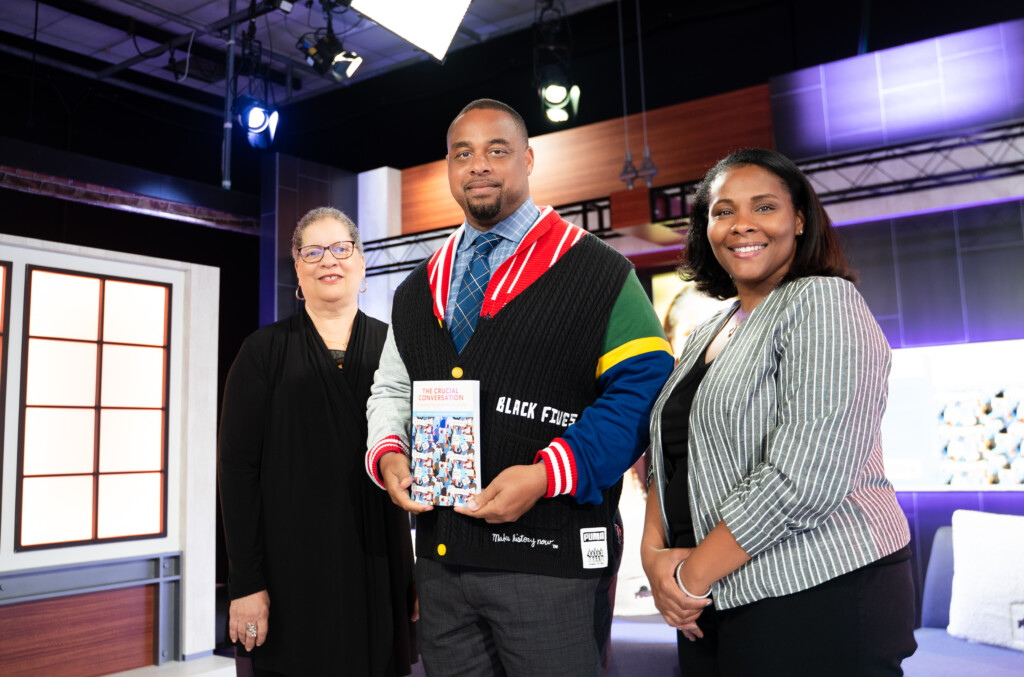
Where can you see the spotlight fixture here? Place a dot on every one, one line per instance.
(258, 119)
(347, 60)
(327, 55)
(559, 96)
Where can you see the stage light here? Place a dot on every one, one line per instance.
(560, 102)
(559, 98)
(551, 59)
(431, 26)
(555, 94)
(557, 115)
(258, 119)
(347, 62)
(327, 55)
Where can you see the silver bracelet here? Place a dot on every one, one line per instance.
(679, 580)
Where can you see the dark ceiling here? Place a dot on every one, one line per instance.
(179, 45)
(396, 113)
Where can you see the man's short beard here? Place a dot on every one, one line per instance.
(485, 211)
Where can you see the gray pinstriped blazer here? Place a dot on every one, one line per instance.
(785, 440)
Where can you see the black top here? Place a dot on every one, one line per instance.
(301, 518)
(675, 434)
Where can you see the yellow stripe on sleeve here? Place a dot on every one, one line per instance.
(649, 344)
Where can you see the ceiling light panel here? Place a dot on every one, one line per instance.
(428, 25)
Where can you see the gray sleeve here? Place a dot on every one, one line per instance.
(388, 410)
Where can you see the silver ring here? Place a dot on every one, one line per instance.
(250, 628)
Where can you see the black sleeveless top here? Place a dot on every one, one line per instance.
(675, 434)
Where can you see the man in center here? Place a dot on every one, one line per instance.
(570, 357)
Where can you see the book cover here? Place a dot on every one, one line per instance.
(445, 441)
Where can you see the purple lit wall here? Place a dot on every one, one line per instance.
(954, 276)
(934, 88)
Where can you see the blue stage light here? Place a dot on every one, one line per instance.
(258, 119)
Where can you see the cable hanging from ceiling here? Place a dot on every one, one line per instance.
(628, 174)
(647, 170)
(173, 65)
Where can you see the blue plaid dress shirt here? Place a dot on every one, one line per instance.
(512, 230)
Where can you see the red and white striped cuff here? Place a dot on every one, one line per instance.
(390, 444)
(561, 467)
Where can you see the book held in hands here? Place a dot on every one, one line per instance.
(445, 441)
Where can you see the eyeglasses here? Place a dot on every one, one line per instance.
(314, 252)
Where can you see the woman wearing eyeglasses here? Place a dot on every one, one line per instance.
(320, 562)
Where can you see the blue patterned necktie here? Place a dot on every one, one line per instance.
(471, 291)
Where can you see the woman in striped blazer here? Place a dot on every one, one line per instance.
(773, 540)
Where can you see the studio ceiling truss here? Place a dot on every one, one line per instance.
(207, 63)
(990, 154)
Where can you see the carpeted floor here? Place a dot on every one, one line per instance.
(643, 645)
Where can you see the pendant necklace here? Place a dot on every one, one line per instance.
(741, 317)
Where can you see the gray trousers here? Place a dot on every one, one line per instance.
(483, 622)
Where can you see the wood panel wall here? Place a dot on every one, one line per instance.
(584, 163)
(630, 207)
(78, 636)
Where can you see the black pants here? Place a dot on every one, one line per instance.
(860, 624)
